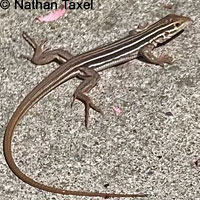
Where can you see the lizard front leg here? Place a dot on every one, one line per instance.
(44, 55)
(90, 78)
(139, 29)
(146, 53)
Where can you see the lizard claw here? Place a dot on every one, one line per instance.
(43, 47)
(89, 104)
(73, 100)
(165, 59)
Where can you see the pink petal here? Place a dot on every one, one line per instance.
(117, 110)
(53, 15)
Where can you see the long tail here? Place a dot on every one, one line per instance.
(43, 88)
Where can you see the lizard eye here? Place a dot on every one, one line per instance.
(177, 24)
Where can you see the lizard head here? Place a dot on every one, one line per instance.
(174, 24)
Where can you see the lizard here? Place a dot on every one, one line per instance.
(86, 67)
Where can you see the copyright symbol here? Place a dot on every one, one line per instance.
(5, 4)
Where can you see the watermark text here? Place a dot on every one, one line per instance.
(36, 4)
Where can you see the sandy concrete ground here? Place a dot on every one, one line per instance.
(149, 148)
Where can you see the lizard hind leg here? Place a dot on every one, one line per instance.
(90, 78)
